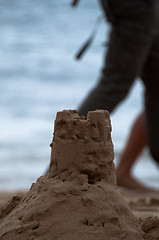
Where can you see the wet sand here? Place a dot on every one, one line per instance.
(142, 204)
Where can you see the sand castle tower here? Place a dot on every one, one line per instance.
(78, 198)
(82, 145)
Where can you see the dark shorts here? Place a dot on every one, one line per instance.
(133, 51)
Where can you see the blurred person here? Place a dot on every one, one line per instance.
(137, 141)
(133, 51)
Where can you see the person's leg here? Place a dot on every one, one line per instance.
(150, 77)
(130, 40)
(151, 80)
(145, 123)
(137, 140)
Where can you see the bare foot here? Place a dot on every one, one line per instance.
(129, 182)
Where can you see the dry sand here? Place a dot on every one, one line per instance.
(78, 199)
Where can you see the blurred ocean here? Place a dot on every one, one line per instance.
(39, 76)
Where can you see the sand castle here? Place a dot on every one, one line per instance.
(83, 146)
(78, 198)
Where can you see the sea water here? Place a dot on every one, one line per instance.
(40, 76)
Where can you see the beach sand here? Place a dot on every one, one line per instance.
(78, 198)
(142, 204)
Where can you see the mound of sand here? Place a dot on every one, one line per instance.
(78, 198)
